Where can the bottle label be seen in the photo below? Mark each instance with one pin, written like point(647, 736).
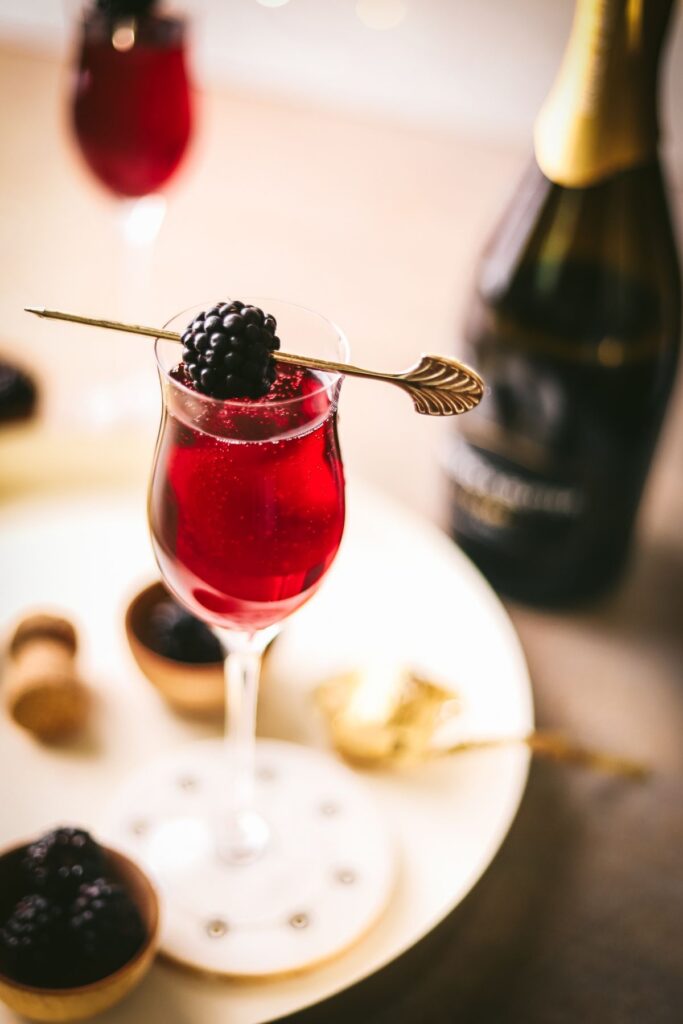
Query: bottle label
point(497, 495)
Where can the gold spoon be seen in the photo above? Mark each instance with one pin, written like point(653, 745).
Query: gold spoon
point(438, 385)
point(381, 717)
point(555, 746)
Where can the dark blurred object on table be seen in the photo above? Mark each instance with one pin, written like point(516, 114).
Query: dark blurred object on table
point(18, 393)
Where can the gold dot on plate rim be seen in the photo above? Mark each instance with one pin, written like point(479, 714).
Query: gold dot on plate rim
point(216, 928)
point(346, 876)
point(187, 782)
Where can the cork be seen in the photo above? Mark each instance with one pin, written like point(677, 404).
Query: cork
point(43, 691)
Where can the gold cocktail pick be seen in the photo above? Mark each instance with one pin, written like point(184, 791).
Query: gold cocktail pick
point(438, 385)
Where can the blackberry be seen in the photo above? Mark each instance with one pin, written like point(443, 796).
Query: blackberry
point(228, 351)
point(174, 633)
point(57, 863)
point(17, 393)
point(105, 928)
point(33, 946)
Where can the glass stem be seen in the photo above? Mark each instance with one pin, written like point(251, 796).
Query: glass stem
point(140, 221)
point(242, 671)
point(245, 834)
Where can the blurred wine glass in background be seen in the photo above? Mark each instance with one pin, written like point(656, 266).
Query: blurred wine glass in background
point(131, 114)
point(131, 109)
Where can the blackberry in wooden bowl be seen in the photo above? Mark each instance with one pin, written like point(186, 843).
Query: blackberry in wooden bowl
point(179, 654)
point(78, 926)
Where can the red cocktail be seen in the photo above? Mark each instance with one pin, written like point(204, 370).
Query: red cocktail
point(132, 107)
point(247, 502)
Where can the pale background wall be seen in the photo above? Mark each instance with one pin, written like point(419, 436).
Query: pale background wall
point(475, 67)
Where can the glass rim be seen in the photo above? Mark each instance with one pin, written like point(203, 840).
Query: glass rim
point(236, 403)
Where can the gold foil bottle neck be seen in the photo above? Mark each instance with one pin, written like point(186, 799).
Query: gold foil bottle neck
point(600, 115)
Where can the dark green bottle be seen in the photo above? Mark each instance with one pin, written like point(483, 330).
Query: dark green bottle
point(575, 326)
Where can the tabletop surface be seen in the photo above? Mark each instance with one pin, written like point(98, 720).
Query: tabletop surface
point(579, 916)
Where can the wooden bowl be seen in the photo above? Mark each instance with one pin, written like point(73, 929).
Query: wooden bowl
point(65, 1004)
point(193, 688)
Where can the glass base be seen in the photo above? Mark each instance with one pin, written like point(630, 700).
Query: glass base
point(244, 838)
point(323, 877)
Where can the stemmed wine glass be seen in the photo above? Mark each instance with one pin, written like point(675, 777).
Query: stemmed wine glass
point(132, 111)
point(270, 856)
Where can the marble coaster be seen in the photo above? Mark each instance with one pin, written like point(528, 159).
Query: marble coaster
point(323, 881)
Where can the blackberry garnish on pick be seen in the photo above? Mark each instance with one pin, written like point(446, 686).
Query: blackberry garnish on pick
point(105, 928)
point(17, 393)
point(228, 351)
point(33, 947)
point(175, 633)
point(60, 861)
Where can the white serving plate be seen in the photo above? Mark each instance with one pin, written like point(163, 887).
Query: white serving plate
point(400, 591)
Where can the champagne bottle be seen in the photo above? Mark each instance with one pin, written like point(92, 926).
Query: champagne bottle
point(575, 326)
